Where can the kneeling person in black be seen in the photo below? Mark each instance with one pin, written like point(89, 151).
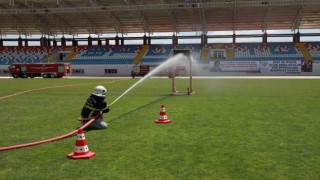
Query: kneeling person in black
point(95, 106)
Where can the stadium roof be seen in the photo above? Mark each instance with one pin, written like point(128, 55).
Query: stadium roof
point(51, 17)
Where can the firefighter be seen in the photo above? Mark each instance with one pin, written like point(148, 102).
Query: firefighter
point(95, 106)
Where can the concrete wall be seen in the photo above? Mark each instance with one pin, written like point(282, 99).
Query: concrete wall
point(92, 70)
point(99, 70)
point(198, 70)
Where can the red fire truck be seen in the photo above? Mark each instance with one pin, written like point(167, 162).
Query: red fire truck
point(140, 70)
point(45, 70)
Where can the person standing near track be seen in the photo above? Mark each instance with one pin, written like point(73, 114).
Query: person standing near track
point(95, 106)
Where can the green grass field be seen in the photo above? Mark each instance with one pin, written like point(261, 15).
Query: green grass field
point(229, 129)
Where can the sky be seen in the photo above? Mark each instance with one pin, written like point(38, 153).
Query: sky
point(186, 41)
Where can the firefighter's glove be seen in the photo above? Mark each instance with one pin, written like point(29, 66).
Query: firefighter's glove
point(106, 110)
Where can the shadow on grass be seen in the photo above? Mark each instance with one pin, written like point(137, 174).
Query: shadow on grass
point(163, 97)
point(87, 130)
point(152, 102)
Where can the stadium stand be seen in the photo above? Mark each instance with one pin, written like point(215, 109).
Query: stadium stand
point(96, 51)
point(107, 55)
point(92, 55)
point(75, 50)
point(126, 54)
point(265, 51)
point(26, 54)
point(314, 49)
point(159, 53)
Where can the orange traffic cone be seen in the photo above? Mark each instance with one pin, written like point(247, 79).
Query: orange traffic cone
point(163, 116)
point(81, 150)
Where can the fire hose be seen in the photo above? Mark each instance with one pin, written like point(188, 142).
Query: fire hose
point(48, 140)
point(56, 138)
point(59, 137)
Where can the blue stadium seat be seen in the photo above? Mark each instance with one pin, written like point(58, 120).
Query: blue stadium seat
point(157, 53)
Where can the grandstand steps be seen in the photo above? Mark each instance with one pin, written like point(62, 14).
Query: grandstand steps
point(49, 57)
point(46, 58)
point(141, 54)
point(204, 54)
point(71, 56)
point(230, 54)
point(307, 56)
point(217, 46)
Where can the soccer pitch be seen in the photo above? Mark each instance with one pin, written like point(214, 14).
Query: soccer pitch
point(229, 129)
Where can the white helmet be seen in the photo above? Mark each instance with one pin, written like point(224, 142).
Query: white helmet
point(99, 91)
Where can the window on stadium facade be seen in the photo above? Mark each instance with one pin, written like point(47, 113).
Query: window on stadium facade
point(110, 71)
point(77, 71)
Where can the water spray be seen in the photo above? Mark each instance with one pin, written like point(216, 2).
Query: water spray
point(167, 63)
point(164, 64)
point(134, 85)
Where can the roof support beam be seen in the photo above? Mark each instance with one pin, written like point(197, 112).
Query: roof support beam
point(297, 21)
point(142, 17)
point(62, 25)
point(145, 23)
point(43, 24)
point(174, 23)
point(92, 27)
point(193, 21)
point(47, 23)
point(11, 2)
point(103, 16)
point(126, 2)
point(27, 4)
point(163, 6)
point(234, 25)
point(204, 21)
point(118, 26)
point(264, 27)
point(22, 28)
point(2, 33)
point(59, 3)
